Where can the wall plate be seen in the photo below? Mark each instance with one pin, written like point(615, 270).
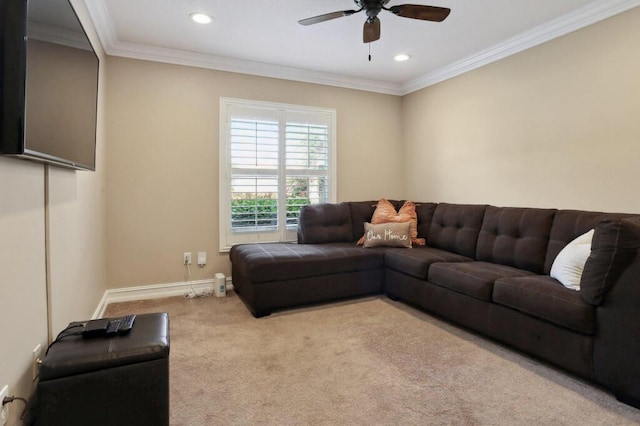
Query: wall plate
point(35, 364)
point(4, 410)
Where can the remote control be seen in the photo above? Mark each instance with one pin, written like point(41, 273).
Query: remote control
point(95, 328)
point(114, 325)
point(126, 323)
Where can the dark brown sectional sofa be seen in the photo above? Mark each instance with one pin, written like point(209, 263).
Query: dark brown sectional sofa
point(484, 267)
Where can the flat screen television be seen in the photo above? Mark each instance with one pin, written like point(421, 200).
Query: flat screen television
point(48, 84)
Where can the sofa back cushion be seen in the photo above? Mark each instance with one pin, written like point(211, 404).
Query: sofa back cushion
point(361, 212)
point(325, 223)
point(455, 227)
point(568, 225)
point(515, 237)
point(425, 212)
point(616, 243)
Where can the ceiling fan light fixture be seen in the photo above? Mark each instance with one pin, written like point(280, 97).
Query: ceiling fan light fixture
point(401, 57)
point(200, 18)
point(372, 8)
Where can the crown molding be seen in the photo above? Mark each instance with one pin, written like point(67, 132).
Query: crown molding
point(57, 35)
point(102, 22)
point(112, 46)
point(220, 63)
point(587, 15)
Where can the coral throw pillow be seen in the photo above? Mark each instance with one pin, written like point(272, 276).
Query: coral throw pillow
point(386, 213)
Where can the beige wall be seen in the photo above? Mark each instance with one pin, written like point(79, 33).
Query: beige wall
point(23, 301)
point(163, 159)
point(76, 240)
point(555, 126)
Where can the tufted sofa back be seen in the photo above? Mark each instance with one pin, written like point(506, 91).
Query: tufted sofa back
point(425, 213)
point(526, 238)
point(455, 228)
point(325, 223)
point(568, 225)
point(516, 237)
point(451, 227)
point(361, 212)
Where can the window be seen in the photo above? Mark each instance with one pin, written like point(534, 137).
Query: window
point(274, 159)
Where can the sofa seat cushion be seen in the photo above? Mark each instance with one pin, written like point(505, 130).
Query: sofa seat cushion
point(474, 279)
point(544, 297)
point(416, 262)
point(285, 261)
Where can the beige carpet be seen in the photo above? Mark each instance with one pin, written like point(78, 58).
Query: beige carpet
point(365, 362)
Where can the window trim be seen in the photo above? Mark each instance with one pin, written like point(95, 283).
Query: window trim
point(224, 193)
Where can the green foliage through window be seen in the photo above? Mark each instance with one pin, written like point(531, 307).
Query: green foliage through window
point(277, 159)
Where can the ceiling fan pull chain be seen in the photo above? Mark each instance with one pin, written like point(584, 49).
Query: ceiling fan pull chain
point(369, 52)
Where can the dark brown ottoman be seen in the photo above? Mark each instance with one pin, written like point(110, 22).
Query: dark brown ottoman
point(120, 380)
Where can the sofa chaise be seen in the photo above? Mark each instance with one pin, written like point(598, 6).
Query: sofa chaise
point(486, 268)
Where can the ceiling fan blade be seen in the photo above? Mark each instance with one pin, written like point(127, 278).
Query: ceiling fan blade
point(327, 17)
point(371, 30)
point(417, 11)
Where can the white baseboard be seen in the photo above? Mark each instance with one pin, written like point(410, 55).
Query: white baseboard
point(155, 291)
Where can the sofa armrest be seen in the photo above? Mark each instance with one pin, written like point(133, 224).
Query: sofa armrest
point(617, 340)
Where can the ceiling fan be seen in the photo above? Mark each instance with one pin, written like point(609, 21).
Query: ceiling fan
point(371, 30)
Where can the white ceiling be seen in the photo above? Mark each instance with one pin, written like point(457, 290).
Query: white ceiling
point(264, 38)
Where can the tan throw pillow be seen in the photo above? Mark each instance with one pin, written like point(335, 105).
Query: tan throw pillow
point(386, 213)
point(387, 235)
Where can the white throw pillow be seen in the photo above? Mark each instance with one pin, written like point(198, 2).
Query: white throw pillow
point(568, 265)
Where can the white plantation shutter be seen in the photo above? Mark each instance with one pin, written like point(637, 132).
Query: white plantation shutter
point(274, 159)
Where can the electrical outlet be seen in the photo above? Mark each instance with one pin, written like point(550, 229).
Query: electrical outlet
point(4, 410)
point(37, 359)
point(202, 258)
point(186, 258)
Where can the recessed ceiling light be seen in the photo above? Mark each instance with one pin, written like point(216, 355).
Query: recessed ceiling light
point(200, 18)
point(402, 57)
